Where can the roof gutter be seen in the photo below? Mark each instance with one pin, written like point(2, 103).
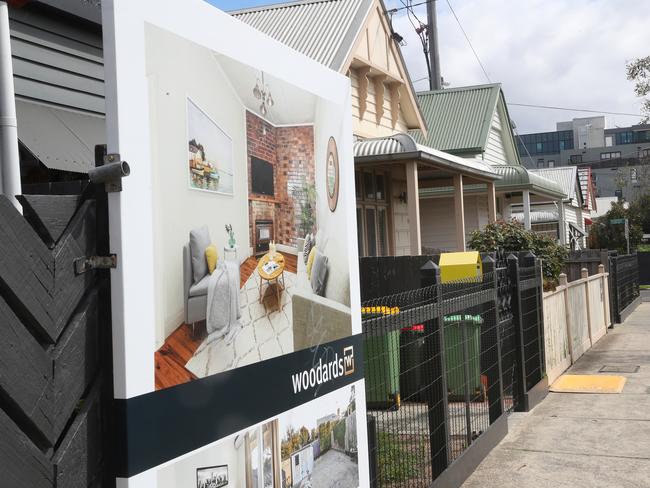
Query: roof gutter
point(424, 156)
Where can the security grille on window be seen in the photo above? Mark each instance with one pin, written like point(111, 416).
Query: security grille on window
point(610, 155)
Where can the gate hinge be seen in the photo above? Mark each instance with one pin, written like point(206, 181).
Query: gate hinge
point(81, 265)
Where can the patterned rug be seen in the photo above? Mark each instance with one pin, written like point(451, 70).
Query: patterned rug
point(264, 331)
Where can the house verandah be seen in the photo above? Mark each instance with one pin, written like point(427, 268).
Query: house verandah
point(413, 199)
point(391, 173)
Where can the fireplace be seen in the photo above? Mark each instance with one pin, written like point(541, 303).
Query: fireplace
point(263, 235)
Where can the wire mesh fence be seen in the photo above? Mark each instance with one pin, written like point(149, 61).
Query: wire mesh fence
point(443, 363)
point(624, 282)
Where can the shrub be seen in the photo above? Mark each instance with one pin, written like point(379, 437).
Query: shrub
point(510, 236)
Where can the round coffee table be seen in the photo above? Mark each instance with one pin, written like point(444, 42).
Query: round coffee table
point(277, 275)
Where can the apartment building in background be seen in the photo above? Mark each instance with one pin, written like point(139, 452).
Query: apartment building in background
point(619, 157)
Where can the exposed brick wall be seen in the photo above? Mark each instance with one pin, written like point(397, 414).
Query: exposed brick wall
point(295, 151)
point(291, 152)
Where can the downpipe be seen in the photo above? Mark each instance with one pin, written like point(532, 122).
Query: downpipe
point(9, 157)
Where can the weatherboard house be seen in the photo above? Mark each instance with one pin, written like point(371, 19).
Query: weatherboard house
point(430, 167)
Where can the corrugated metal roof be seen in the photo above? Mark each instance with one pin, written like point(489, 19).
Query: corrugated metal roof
point(388, 147)
point(518, 178)
point(458, 119)
point(564, 176)
point(324, 30)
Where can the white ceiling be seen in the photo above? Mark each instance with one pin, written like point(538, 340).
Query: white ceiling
point(291, 104)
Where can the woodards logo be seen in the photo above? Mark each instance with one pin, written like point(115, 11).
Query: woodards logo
point(324, 372)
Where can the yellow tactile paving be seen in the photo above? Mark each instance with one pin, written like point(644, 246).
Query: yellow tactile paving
point(588, 383)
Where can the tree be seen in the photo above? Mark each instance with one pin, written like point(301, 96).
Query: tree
point(638, 70)
point(510, 236)
point(605, 235)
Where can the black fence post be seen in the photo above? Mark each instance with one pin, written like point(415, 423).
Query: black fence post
point(436, 376)
point(372, 450)
point(513, 271)
point(529, 260)
point(494, 371)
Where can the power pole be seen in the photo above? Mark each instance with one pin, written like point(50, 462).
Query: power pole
point(435, 80)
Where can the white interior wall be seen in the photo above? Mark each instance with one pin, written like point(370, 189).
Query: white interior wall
point(333, 226)
point(182, 473)
point(178, 69)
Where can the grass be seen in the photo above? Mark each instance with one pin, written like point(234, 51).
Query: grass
point(399, 460)
point(644, 287)
point(643, 248)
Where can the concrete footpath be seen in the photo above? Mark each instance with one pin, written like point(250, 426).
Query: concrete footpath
point(583, 440)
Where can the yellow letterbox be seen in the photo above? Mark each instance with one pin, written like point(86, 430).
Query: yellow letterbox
point(466, 266)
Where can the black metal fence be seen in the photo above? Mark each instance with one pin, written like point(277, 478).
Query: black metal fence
point(624, 283)
point(445, 361)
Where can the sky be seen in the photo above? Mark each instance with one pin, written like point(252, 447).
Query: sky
point(563, 53)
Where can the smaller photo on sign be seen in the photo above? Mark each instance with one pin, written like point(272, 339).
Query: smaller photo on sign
point(314, 445)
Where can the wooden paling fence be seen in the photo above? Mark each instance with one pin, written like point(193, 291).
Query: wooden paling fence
point(55, 358)
point(576, 316)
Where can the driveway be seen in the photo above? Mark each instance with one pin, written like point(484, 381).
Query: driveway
point(335, 469)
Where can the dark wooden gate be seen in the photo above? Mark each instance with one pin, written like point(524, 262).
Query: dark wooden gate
point(55, 356)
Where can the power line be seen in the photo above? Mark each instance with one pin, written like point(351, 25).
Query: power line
point(549, 107)
point(469, 42)
point(409, 6)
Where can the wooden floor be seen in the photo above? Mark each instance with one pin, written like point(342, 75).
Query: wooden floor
point(180, 346)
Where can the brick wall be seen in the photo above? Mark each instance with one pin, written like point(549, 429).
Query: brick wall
point(295, 152)
point(291, 152)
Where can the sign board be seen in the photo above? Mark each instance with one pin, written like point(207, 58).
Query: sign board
point(235, 305)
point(617, 221)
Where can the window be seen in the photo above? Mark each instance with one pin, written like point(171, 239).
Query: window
point(551, 163)
point(626, 137)
point(646, 153)
point(634, 175)
point(610, 155)
point(575, 158)
point(373, 204)
point(540, 163)
point(609, 141)
point(539, 147)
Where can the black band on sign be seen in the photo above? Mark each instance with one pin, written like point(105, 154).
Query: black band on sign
point(160, 426)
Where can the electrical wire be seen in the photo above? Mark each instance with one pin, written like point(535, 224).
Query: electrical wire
point(469, 42)
point(549, 107)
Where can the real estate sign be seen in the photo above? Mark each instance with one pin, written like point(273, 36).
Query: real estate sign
point(235, 304)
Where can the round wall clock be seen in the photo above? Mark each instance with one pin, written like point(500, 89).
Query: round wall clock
point(332, 174)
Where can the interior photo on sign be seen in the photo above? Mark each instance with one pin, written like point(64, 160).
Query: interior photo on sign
point(250, 249)
point(314, 445)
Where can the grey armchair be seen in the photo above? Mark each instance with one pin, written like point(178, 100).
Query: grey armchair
point(195, 294)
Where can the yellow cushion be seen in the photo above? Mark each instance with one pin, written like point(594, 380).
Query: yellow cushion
point(310, 261)
point(211, 256)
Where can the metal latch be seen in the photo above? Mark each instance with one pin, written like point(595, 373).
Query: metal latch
point(89, 263)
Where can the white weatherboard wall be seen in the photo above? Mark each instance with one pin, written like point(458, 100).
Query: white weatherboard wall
point(495, 152)
point(576, 316)
point(178, 69)
point(438, 224)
